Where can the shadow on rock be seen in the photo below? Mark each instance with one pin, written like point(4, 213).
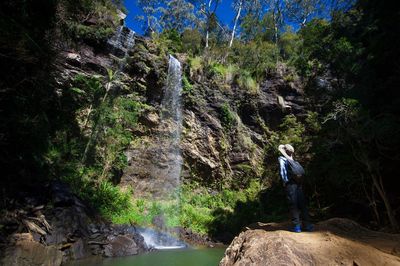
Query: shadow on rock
point(270, 205)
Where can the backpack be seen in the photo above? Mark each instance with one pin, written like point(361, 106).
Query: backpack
point(295, 170)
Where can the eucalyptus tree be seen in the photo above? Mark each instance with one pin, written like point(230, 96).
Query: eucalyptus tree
point(237, 6)
point(276, 7)
point(252, 23)
point(178, 15)
point(152, 11)
point(301, 11)
point(251, 9)
point(209, 8)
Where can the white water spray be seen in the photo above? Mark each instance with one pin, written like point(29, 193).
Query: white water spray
point(158, 240)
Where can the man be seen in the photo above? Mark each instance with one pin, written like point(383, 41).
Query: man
point(294, 190)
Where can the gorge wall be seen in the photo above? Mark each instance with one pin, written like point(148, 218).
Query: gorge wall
point(224, 126)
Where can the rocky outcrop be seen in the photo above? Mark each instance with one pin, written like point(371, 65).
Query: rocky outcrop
point(123, 245)
point(334, 242)
point(65, 231)
point(25, 251)
point(215, 151)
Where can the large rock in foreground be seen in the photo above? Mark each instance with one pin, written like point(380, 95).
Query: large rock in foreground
point(24, 251)
point(335, 242)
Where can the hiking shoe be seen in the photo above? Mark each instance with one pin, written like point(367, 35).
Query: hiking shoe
point(297, 229)
point(309, 228)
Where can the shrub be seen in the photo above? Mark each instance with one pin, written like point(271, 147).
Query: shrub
point(222, 73)
point(74, 16)
point(255, 57)
point(227, 116)
point(186, 85)
point(191, 41)
point(246, 81)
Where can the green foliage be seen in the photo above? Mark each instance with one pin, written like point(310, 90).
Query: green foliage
point(255, 57)
point(227, 116)
point(87, 89)
point(177, 15)
point(312, 122)
point(247, 82)
point(195, 207)
point(289, 43)
point(221, 73)
point(91, 157)
point(259, 29)
point(75, 17)
point(186, 85)
point(85, 32)
point(292, 131)
point(200, 206)
point(191, 41)
point(169, 41)
point(195, 63)
point(216, 70)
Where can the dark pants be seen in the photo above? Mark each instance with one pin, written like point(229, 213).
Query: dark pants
point(297, 204)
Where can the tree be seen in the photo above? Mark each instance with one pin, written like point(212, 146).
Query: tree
point(301, 11)
point(238, 6)
point(209, 8)
point(366, 137)
point(152, 10)
point(178, 15)
point(277, 17)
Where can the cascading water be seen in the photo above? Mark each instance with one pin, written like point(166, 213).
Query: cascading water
point(159, 240)
point(167, 158)
point(171, 117)
point(122, 41)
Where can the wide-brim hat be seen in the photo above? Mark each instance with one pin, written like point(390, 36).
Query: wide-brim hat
point(286, 147)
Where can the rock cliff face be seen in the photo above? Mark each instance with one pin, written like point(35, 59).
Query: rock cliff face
point(215, 151)
point(334, 242)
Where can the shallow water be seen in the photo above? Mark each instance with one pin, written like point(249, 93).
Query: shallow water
point(177, 257)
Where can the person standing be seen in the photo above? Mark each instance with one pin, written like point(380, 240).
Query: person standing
point(294, 190)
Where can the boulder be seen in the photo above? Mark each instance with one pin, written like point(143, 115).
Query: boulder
point(332, 243)
point(23, 250)
point(122, 245)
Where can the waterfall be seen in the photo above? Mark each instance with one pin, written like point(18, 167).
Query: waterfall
point(165, 152)
point(159, 240)
point(165, 169)
point(171, 117)
point(122, 41)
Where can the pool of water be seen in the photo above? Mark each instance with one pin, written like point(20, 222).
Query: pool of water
point(176, 257)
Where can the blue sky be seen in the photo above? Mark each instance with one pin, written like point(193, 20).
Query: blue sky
point(224, 12)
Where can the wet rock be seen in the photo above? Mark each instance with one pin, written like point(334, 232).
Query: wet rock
point(79, 250)
point(122, 245)
point(159, 221)
point(122, 41)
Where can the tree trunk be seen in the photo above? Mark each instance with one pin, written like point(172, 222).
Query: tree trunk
point(235, 24)
point(381, 190)
point(378, 183)
point(208, 22)
point(371, 199)
point(87, 117)
point(207, 39)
